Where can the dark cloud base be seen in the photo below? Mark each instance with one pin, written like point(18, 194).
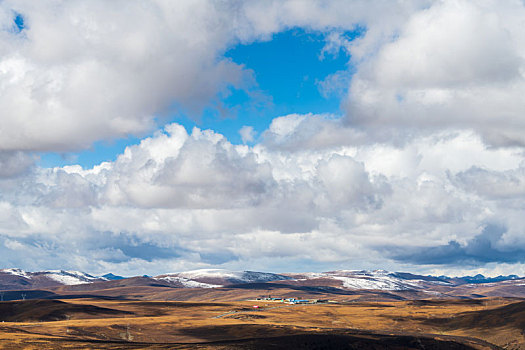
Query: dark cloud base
point(483, 248)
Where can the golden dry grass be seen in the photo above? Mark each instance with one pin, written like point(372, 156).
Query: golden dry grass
point(152, 325)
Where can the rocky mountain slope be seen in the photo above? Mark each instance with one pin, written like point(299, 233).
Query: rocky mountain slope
point(341, 280)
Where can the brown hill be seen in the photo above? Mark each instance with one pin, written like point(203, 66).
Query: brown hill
point(103, 285)
point(512, 315)
point(52, 310)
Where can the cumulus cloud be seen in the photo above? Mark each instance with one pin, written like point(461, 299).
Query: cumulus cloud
point(201, 170)
point(182, 200)
point(78, 72)
point(335, 84)
point(408, 175)
point(178, 192)
point(296, 132)
point(84, 71)
point(14, 163)
point(492, 184)
point(454, 65)
point(247, 134)
point(483, 248)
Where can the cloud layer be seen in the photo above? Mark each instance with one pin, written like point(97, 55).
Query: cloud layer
point(88, 70)
point(81, 71)
point(457, 64)
point(182, 200)
point(424, 170)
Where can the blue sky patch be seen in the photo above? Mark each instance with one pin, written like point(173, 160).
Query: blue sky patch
point(288, 70)
point(19, 24)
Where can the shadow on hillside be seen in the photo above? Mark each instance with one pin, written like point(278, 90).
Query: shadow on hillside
point(259, 337)
point(51, 310)
point(512, 315)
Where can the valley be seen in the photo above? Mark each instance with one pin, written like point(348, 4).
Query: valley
point(218, 309)
point(490, 323)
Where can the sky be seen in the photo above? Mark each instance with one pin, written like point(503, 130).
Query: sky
point(152, 136)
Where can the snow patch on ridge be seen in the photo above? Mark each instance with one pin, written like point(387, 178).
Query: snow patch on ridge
point(210, 273)
point(16, 272)
point(69, 277)
point(360, 279)
point(239, 276)
point(187, 282)
point(384, 283)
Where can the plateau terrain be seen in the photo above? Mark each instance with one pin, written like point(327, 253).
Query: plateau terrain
point(220, 309)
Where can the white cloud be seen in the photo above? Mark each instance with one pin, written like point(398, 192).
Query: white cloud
point(84, 71)
point(14, 163)
point(462, 44)
point(247, 134)
point(455, 65)
point(335, 84)
point(493, 184)
point(191, 200)
point(310, 132)
point(410, 164)
point(89, 70)
point(201, 170)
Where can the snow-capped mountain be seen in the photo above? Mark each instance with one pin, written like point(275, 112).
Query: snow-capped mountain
point(214, 278)
point(112, 277)
point(359, 279)
point(68, 277)
point(20, 279)
point(346, 279)
point(350, 280)
point(16, 272)
point(480, 279)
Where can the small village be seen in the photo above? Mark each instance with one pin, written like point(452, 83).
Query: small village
point(293, 300)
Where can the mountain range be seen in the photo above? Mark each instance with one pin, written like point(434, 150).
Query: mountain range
point(331, 281)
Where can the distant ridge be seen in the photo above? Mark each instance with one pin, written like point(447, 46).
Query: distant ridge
point(112, 277)
point(344, 280)
point(19, 279)
point(482, 279)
